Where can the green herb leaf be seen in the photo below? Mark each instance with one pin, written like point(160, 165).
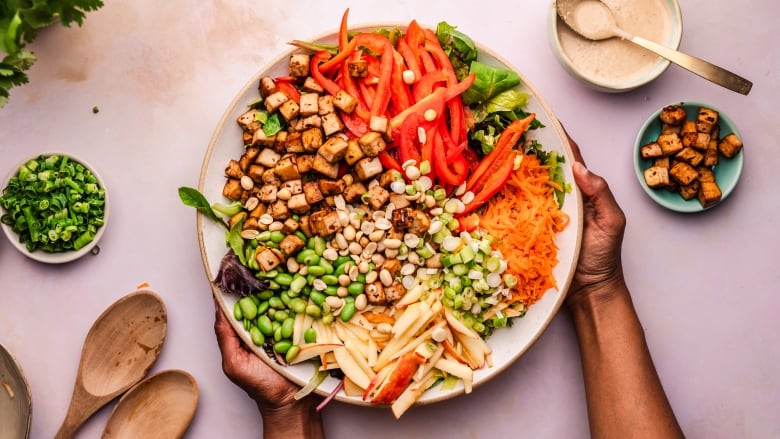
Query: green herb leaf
point(193, 198)
point(489, 82)
point(236, 242)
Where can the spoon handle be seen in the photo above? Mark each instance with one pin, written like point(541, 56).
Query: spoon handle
point(706, 70)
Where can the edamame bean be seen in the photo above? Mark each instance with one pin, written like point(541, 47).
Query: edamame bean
point(312, 259)
point(254, 299)
point(265, 325)
point(332, 290)
point(256, 335)
point(313, 310)
point(355, 288)
point(297, 284)
point(248, 307)
point(303, 254)
point(292, 353)
point(265, 295)
point(283, 279)
point(263, 307)
point(319, 245)
point(298, 305)
point(327, 318)
point(281, 315)
point(276, 302)
point(301, 235)
point(316, 270)
point(285, 298)
point(237, 313)
point(264, 236)
point(310, 335)
point(347, 311)
point(287, 327)
point(247, 324)
point(326, 265)
point(330, 279)
point(278, 334)
point(317, 297)
point(282, 346)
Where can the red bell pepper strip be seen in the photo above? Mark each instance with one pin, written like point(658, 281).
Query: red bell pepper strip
point(329, 85)
point(415, 36)
point(354, 123)
point(400, 94)
point(468, 223)
point(379, 44)
point(389, 162)
point(286, 87)
point(502, 150)
point(434, 101)
point(331, 64)
point(493, 184)
point(459, 88)
point(407, 147)
point(444, 172)
point(409, 57)
point(425, 84)
point(343, 32)
point(350, 86)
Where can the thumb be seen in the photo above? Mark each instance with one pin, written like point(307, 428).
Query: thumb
point(597, 193)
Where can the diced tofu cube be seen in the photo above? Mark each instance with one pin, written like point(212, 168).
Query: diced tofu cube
point(248, 157)
point(248, 121)
point(670, 143)
point(656, 177)
point(233, 170)
point(375, 293)
point(267, 86)
point(297, 204)
point(326, 105)
point(688, 126)
point(311, 139)
point(311, 85)
point(281, 141)
point(268, 158)
point(683, 173)
point(344, 101)
point(274, 101)
point(232, 189)
point(333, 149)
point(331, 187)
point(299, 65)
point(259, 211)
point(290, 226)
point(286, 168)
point(267, 260)
point(261, 139)
point(378, 124)
point(246, 138)
point(269, 177)
point(706, 119)
point(331, 123)
point(289, 110)
point(662, 162)
point(378, 196)
point(392, 265)
point(294, 143)
point(293, 186)
point(291, 244)
point(312, 192)
point(325, 167)
point(309, 104)
point(279, 210)
point(267, 193)
point(690, 156)
point(690, 191)
point(399, 201)
point(700, 141)
point(411, 220)
point(354, 191)
point(255, 172)
point(673, 115)
point(354, 152)
point(671, 129)
point(324, 223)
point(706, 174)
point(394, 291)
point(651, 150)
point(305, 226)
point(313, 121)
point(305, 163)
point(711, 157)
point(372, 143)
point(730, 145)
point(709, 193)
point(367, 168)
point(357, 68)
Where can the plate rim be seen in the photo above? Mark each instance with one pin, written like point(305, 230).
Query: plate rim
point(575, 195)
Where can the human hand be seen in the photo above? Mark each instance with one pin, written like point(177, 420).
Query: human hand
point(273, 393)
point(599, 263)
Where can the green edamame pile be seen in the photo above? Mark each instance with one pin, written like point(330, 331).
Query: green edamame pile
point(54, 204)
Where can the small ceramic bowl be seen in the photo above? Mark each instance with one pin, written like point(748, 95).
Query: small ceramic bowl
point(727, 172)
point(63, 256)
point(616, 65)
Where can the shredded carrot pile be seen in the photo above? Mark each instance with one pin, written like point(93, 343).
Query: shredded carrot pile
point(524, 218)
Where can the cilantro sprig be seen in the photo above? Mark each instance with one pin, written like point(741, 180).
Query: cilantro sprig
point(20, 21)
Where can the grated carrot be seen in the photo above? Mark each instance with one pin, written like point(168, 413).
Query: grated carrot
point(524, 218)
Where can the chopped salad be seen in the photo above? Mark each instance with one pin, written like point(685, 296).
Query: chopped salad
point(387, 213)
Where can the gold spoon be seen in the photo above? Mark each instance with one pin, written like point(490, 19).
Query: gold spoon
point(161, 406)
point(118, 351)
point(594, 20)
point(15, 399)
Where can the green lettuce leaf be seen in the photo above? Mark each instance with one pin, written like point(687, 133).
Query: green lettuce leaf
point(489, 82)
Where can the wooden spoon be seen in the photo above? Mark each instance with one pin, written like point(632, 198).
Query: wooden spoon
point(119, 350)
point(15, 399)
point(159, 407)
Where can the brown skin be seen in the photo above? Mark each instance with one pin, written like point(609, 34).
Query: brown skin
point(624, 394)
point(282, 415)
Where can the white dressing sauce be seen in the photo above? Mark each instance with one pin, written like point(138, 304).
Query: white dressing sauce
point(616, 60)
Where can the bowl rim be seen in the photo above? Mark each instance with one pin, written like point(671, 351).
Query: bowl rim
point(21, 379)
point(679, 204)
point(615, 87)
point(60, 257)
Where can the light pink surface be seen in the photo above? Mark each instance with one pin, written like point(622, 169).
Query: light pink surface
point(161, 74)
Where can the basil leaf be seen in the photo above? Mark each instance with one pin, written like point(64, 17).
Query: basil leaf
point(193, 198)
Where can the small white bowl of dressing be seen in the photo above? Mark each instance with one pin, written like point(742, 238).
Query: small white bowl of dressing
point(616, 65)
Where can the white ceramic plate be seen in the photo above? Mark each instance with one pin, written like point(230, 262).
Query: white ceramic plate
point(508, 344)
point(15, 399)
point(65, 256)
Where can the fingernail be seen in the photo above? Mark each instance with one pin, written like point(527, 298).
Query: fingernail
point(579, 168)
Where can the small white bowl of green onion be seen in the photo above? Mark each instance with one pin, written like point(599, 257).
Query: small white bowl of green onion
point(54, 208)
